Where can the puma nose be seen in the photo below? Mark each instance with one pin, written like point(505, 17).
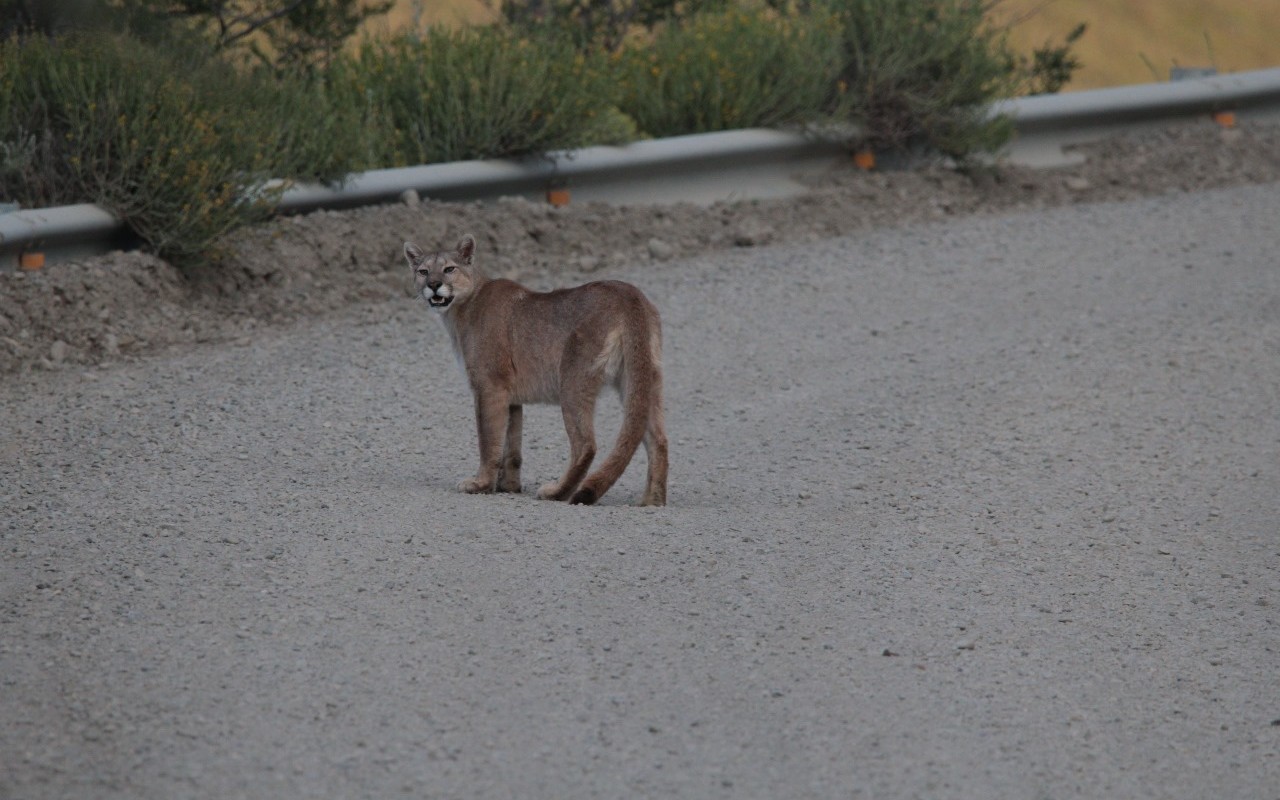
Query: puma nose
point(433, 285)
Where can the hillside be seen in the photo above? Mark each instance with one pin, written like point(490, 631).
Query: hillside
point(1232, 35)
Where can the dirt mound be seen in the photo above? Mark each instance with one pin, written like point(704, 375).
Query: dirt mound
point(128, 304)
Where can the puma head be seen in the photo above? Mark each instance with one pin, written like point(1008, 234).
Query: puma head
point(443, 278)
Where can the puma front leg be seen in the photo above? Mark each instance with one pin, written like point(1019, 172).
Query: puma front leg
point(509, 472)
point(492, 412)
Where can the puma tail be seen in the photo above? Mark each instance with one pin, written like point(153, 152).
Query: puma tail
point(640, 382)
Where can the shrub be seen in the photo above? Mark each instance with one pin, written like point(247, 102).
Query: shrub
point(474, 93)
point(1051, 66)
point(50, 16)
point(717, 71)
point(180, 147)
point(923, 71)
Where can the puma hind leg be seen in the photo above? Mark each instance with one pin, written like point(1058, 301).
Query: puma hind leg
point(655, 448)
point(579, 423)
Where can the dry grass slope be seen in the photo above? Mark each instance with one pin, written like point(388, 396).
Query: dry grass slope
point(1232, 35)
point(408, 14)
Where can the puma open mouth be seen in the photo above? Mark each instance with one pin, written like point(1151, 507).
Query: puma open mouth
point(439, 302)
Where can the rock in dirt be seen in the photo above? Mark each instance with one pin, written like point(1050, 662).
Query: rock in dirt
point(752, 234)
point(660, 250)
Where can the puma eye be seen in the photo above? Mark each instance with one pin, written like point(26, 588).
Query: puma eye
point(423, 271)
point(447, 270)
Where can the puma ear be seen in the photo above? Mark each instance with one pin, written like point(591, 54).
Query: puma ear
point(467, 248)
point(413, 253)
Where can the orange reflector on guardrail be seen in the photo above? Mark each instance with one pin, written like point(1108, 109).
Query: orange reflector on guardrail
point(31, 261)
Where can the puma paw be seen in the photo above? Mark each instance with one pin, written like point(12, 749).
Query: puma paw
point(473, 486)
point(549, 491)
point(584, 497)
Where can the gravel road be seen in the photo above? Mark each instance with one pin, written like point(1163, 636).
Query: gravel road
point(986, 508)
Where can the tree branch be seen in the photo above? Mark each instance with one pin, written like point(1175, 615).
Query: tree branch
point(250, 24)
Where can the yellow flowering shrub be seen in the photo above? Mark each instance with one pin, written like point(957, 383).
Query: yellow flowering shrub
point(181, 151)
point(470, 93)
point(736, 69)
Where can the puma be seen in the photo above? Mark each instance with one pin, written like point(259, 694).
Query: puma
point(520, 346)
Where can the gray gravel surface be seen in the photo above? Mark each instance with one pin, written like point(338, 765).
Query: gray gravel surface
point(984, 508)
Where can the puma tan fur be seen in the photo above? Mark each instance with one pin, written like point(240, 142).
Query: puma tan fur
point(519, 346)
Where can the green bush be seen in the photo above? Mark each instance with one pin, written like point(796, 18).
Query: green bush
point(180, 147)
point(923, 71)
point(483, 92)
point(718, 71)
point(1051, 66)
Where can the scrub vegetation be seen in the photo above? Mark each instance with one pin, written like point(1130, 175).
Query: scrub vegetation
point(186, 117)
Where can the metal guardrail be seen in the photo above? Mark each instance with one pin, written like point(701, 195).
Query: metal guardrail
point(28, 236)
point(700, 168)
point(617, 174)
point(1048, 123)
